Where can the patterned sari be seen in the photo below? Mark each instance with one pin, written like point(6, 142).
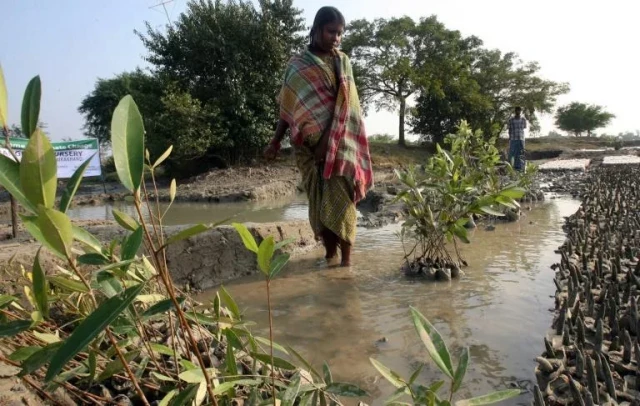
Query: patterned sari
point(314, 99)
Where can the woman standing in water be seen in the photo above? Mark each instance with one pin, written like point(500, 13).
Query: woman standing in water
point(319, 103)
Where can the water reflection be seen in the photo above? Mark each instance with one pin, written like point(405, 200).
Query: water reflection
point(292, 208)
point(499, 308)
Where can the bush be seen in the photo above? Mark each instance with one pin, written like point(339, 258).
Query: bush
point(443, 195)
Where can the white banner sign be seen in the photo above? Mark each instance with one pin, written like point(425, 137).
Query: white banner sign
point(69, 155)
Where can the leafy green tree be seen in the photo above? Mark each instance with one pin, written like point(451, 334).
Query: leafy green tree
point(230, 57)
point(98, 106)
point(484, 93)
point(393, 58)
point(578, 118)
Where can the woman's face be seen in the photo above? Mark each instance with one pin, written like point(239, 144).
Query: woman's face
point(330, 37)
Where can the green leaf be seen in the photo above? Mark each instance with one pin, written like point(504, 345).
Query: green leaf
point(38, 171)
point(328, 377)
point(39, 358)
point(93, 258)
point(278, 263)
point(415, 374)
point(277, 362)
point(225, 386)
point(513, 193)
point(40, 287)
point(489, 399)
point(284, 243)
point(108, 284)
point(186, 233)
point(31, 107)
point(14, 327)
point(304, 362)
point(6, 299)
point(72, 185)
point(345, 389)
point(388, 374)
point(233, 339)
point(10, 180)
point(164, 156)
point(229, 303)
point(127, 222)
point(4, 102)
point(68, 284)
point(461, 233)
point(265, 253)
point(463, 363)
point(161, 307)
point(186, 396)
point(89, 329)
point(230, 359)
point(56, 229)
point(161, 377)
point(46, 338)
point(85, 237)
point(33, 227)
point(131, 245)
point(116, 366)
point(435, 387)
point(268, 342)
point(115, 265)
point(247, 238)
point(291, 393)
point(433, 341)
point(167, 398)
point(192, 376)
point(23, 353)
point(488, 210)
point(127, 142)
point(161, 349)
point(201, 318)
point(93, 365)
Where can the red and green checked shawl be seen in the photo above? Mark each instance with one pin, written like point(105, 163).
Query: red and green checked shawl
point(306, 100)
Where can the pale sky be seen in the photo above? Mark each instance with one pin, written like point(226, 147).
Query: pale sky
point(70, 43)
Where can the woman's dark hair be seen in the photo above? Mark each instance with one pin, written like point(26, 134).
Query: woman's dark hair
point(326, 15)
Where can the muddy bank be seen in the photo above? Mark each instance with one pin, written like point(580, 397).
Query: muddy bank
point(218, 256)
point(593, 353)
point(200, 262)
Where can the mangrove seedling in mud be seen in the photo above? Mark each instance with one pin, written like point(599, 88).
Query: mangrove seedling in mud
point(441, 357)
point(443, 195)
point(106, 324)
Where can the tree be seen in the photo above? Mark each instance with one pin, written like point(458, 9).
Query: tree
point(484, 95)
point(578, 118)
point(98, 106)
point(393, 58)
point(229, 58)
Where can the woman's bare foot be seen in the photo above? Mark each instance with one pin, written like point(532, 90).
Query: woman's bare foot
point(330, 241)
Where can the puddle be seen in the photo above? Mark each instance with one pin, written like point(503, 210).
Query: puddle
point(500, 308)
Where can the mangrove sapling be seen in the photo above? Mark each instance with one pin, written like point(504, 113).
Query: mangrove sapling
point(442, 197)
point(110, 316)
point(271, 266)
point(441, 357)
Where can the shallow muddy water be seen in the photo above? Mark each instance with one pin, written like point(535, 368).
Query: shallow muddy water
point(292, 208)
point(499, 308)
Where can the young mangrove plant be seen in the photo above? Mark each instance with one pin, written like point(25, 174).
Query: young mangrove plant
point(106, 323)
point(441, 357)
point(442, 197)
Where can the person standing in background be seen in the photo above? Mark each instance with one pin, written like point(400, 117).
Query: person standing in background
point(517, 125)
